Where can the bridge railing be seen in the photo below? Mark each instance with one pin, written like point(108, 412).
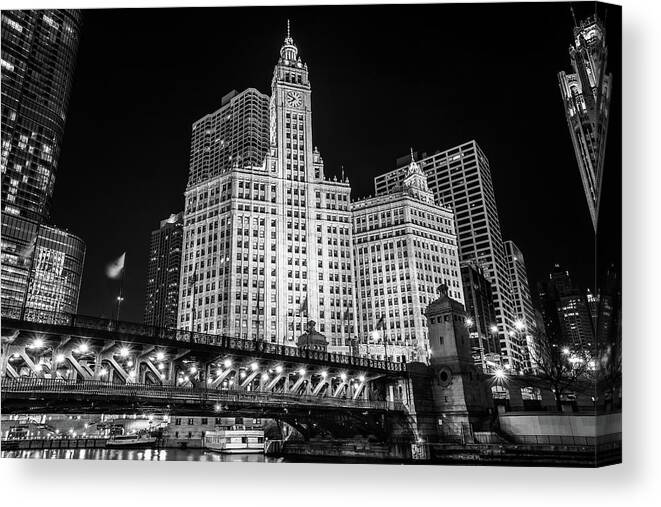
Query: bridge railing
point(100, 388)
point(182, 335)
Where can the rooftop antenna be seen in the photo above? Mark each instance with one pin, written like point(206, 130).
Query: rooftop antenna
point(288, 30)
point(412, 158)
point(342, 171)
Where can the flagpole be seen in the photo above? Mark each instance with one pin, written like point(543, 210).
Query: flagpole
point(121, 291)
point(192, 322)
point(383, 337)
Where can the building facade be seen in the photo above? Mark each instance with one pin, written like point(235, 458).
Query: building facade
point(586, 95)
point(481, 317)
point(525, 322)
point(267, 243)
point(460, 178)
point(572, 324)
point(163, 273)
point(405, 247)
point(234, 135)
point(39, 49)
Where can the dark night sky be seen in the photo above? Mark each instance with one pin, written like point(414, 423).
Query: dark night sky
point(383, 78)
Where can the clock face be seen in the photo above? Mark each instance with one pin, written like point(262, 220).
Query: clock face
point(294, 99)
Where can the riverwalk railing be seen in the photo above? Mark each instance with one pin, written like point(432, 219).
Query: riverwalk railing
point(164, 334)
point(173, 394)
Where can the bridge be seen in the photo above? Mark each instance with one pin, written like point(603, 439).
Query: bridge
point(58, 362)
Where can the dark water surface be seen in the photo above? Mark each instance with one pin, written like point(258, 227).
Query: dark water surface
point(139, 455)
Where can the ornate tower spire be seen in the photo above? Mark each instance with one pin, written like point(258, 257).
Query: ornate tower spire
point(415, 182)
point(289, 51)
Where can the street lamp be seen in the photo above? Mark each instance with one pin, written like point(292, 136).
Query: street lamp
point(519, 325)
point(468, 322)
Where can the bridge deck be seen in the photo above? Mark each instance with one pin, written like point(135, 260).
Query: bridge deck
point(35, 389)
point(64, 324)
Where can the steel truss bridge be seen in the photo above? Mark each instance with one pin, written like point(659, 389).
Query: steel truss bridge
point(57, 362)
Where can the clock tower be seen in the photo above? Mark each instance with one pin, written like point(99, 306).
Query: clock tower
point(291, 115)
point(314, 265)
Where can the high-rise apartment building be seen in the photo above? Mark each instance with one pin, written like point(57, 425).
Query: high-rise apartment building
point(481, 317)
point(267, 242)
point(586, 95)
point(39, 50)
point(525, 322)
point(461, 179)
point(405, 247)
point(163, 272)
point(236, 135)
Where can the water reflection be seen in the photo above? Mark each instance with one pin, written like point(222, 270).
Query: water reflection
point(138, 455)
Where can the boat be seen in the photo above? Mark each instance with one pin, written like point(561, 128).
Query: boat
point(123, 441)
point(235, 440)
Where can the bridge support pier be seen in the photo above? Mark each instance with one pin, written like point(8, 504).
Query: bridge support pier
point(448, 400)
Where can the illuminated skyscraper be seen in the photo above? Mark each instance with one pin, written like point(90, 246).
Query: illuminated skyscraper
point(572, 324)
point(39, 50)
point(525, 322)
point(237, 134)
point(460, 178)
point(481, 317)
point(405, 247)
point(163, 273)
point(586, 94)
point(267, 237)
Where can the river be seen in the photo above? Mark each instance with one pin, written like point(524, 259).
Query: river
point(139, 455)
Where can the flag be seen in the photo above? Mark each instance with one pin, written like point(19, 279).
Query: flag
point(381, 323)
point(304, 305)
point(116, 268)
point(193, 278)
